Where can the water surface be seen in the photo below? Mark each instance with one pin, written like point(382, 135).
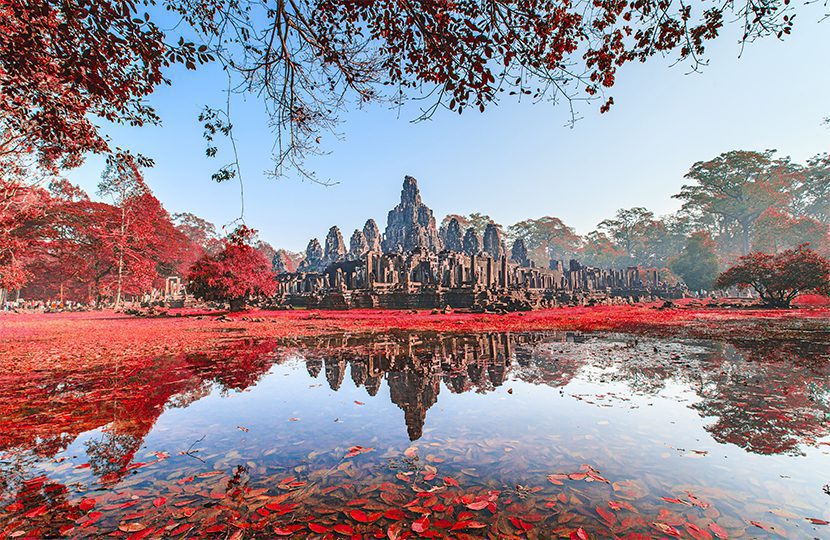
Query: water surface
point(491, 435)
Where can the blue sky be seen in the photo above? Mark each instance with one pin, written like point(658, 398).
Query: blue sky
point(515, 161)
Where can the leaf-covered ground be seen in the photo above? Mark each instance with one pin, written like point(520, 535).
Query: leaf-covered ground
point(41, 341)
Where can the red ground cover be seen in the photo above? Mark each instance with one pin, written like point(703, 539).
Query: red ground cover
point(71, 340)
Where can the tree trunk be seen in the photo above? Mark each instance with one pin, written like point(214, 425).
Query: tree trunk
point(121, 255)
point(237, 304)
point(744, 239)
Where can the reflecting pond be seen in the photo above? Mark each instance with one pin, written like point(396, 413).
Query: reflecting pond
point(539, 435)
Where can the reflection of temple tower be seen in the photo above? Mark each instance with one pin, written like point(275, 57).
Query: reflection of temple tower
point(372, 385)
point(499, 345)
point(335, 371)
point(314, 366)
point(456, 382)
point(413, 393)
point(360, 372)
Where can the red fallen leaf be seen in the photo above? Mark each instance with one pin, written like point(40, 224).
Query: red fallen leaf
point(142, 534)
point(521, 525)
point(450, 481)
point(469, 524)
point(358, 502)
point(359, 403)
point(209, 474)
point(697, 533)
point(355, 450)
point(420, 525)
point(411, 452)
point(131, 527)
point(181, 529)
point(358, 515)
point(93, 517)
point(442, 523)
point(666, 529)
point(556, 479)
point(66, 529)
point(577, 476)
point(464, 516)
point(817, 521)
point(394, 531)
point(281, 509)
point(87, 505)
point(478, 505)
point(346, 530)
point(766, 527)
point(14, 507)
point(606, 515)
point(83, 466)
point(719, 531)
point(189, 511)
point(316, 527)
point(215, 528)
point(394, 514)
point(289, 530)
point(614, 505)
point(580, 534)
point(159, 502)
point(34, 512)
point(429, 476)
point(697, 502)
point(374, 516)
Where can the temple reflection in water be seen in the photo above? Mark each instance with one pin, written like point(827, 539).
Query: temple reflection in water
point(415, 365)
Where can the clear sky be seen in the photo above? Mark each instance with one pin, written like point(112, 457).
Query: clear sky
point(516, 160)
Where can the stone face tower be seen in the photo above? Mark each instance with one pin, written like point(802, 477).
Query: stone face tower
point(411, 225)
point(519, 253)
point(313, 261)
point(372, 234)
point(454, 240)
point(335, 246)
point(492, 241)
point(357, 245)
point(472, 245)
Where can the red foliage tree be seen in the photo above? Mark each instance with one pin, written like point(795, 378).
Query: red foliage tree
point(235, 274)
point(65, 62)
point(779, 278)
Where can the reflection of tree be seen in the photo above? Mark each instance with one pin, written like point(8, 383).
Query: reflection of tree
point(110, 455)
point(769, 397)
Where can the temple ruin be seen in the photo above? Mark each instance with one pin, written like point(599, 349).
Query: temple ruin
point(411, 267)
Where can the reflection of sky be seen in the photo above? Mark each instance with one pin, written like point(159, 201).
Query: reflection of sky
point(514, 162)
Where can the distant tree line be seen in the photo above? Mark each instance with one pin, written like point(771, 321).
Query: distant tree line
point(734, 204)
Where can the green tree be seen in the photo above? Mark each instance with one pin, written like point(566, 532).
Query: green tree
point(812, 198)
point(736, 187)
point(546, 238)
point(631, 230)
point(697, 263)
point(599, 250)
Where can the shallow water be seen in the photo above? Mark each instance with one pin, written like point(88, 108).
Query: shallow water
point(542, 435)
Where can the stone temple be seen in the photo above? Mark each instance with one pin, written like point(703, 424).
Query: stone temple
point(410, 267)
